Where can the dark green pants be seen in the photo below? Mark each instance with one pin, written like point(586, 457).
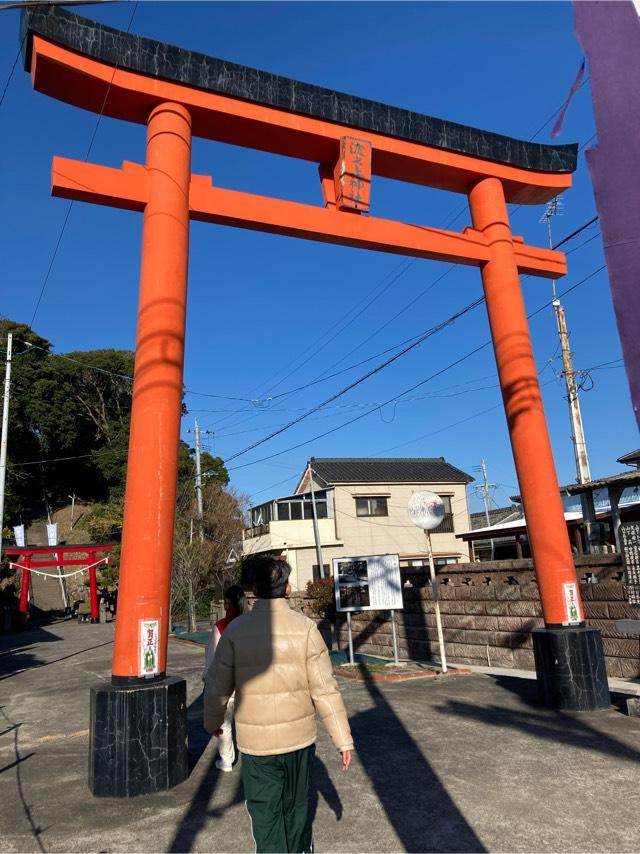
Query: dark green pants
point(276, 789)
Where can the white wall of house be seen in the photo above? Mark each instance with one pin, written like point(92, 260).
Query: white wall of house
point(347, 534)
point(395, 533)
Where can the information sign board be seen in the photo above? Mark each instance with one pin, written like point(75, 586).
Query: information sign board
point(630, 536)
point(369, 583)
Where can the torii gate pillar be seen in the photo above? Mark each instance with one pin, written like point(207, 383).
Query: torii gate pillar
point(140, 687)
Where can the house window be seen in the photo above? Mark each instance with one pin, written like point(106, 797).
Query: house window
point(446, 500)
point(326, 571)
point(444, 561)
point(446, 526)
point(423, 563)
point(261, 515)
point(301, 507)
point(371, 507)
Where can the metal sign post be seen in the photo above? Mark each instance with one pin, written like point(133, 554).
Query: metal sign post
point(395, 638)
point(350, 637)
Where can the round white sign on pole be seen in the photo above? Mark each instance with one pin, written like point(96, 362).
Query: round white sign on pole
point(426, 510)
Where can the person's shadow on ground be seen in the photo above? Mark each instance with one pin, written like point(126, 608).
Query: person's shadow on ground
point(322, 784)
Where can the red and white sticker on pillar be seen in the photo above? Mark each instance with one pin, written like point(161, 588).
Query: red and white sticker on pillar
point(149, 646)
point(571, 604)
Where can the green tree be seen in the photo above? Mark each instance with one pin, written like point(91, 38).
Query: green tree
point(69, 424)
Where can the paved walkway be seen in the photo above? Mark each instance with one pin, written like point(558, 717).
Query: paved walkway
point(463, 764)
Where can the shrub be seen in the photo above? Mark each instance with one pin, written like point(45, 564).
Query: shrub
point(323, 602)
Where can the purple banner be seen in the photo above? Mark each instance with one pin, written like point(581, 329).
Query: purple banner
point(610, 36)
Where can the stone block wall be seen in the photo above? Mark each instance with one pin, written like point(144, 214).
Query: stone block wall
point(488, 612)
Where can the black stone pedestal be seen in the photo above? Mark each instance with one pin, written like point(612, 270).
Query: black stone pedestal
point(138, 738)
point(570, 669)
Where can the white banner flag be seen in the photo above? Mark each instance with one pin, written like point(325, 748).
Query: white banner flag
point(52, 534)
point(18, 533)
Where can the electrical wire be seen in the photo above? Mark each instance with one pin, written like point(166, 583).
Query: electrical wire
point(13, 68)
point(428, 333)
point(412, 388)
point(433, 331)
point(71, 203)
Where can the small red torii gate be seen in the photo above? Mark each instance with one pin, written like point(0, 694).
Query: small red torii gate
point(27, 564)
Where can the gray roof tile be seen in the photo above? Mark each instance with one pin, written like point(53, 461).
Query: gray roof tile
point(390, 470)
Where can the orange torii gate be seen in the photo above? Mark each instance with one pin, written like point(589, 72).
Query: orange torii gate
point(178, 94)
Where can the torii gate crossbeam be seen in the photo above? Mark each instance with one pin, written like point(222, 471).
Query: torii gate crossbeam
point(178, 94)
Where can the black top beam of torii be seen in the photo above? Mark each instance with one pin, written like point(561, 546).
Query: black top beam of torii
point(178, 65)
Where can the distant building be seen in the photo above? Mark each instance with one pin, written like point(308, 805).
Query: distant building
point(362, 510)
point(631, 459)
point(497, 547)
point(615, 499)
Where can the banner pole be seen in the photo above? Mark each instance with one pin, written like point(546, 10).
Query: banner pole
point(436, 602)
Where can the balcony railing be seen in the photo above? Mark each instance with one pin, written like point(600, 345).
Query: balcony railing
point(256, 531)
point(446, 526)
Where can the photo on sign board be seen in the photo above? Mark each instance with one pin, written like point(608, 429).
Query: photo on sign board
point(354, 595)
point(352, 572)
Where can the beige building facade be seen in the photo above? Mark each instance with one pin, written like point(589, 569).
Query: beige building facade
point(361, 505)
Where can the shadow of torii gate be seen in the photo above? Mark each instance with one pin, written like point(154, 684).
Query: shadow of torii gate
point(178, 94)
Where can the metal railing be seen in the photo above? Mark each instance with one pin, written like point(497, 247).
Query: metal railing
point(446, 526)
point(256, 531)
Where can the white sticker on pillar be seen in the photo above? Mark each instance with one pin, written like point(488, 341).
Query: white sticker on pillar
point(572, 607)
point(149, 646)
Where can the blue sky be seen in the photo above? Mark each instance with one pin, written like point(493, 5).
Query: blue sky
point(264, 310)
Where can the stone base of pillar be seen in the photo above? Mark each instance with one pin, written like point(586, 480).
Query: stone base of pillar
point(571, 669)
point(138, 738)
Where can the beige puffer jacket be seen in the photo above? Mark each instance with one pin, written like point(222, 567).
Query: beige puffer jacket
point(277, 663)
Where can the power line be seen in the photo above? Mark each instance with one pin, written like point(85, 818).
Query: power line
point(322, 378)
point(67, 459)
point(412, 388)
point(575, 233)
point(415, 343)
point(13, 68)
point(86, 157)
point(128, 377)
point(389, 361)
point(433, 331)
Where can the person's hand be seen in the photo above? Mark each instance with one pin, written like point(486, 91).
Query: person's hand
point(346, 756)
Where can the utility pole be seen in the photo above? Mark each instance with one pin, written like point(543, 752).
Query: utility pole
point(583, 474)
point(335, 634)
point(485, 493)
point(199, 483)
point(316, 529)
point(5, 432)
point(577, 429)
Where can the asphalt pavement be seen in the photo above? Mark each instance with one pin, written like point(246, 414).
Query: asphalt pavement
point(470, 763)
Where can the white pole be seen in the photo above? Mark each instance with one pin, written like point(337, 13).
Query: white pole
point(436, 601)
point(395, 638)
point(350, 637)
point(199, 484)
point(5, 431)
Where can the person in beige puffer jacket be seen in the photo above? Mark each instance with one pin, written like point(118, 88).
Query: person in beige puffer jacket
point(278, 665)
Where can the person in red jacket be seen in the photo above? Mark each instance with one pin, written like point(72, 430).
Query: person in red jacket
point(234, 606)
